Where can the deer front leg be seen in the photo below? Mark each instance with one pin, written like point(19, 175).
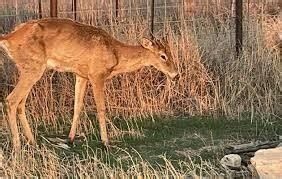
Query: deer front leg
point(22, 116)
point(26, 80)
point(12, 104)
point(80, 87)
point(99, 96)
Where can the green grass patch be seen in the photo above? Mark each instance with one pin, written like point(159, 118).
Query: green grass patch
point(178, 139)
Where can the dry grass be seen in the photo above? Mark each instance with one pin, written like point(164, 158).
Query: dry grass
point(272, 29)
point(213, 82)
point(50, 165)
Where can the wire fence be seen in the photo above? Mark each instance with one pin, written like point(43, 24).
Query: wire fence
point(153, 13)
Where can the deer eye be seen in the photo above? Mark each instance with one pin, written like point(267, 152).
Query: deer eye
point(164, 57)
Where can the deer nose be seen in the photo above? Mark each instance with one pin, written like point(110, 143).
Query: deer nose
point(176, 77)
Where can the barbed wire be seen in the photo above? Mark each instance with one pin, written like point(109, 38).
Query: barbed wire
point(98, 10)
point(121, 9)
point(112, 10)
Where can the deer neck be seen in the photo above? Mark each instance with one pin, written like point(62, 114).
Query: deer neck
point(130, 58)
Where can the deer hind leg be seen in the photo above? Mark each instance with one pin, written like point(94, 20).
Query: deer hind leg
point(99, 96)
point(80, 87)
point(26, 80)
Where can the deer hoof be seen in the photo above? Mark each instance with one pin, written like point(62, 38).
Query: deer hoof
point(107, 146)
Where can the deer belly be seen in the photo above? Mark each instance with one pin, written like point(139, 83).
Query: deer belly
point(80, 69)
point(58, 66)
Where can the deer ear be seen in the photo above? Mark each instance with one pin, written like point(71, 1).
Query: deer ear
point(146, 43)
point(165, 39)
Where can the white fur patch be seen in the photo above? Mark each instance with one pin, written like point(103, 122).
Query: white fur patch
point(51, 63)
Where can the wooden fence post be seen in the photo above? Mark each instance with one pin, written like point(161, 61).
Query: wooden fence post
point(53, 8)
point(40, 9)
point(117, 8)
point(239, 27)
point(152, 17)
point(73, 8)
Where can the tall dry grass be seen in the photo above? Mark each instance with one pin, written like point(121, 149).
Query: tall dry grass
point(212, 80)
point(47, 164)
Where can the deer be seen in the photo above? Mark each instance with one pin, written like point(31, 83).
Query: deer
point(88, 52)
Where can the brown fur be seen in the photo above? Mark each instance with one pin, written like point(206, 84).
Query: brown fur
point(67, 46)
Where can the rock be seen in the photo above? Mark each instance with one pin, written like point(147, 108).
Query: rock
point(268, 163)
point(232, 161)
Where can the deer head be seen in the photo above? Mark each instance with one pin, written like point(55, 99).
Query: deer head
point(160, 57)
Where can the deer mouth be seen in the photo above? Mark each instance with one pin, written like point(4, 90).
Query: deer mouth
point(173, 77)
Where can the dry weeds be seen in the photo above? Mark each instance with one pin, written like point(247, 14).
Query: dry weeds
point(213, 82)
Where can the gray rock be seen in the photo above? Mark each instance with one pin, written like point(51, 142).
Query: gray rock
point(231, 160)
